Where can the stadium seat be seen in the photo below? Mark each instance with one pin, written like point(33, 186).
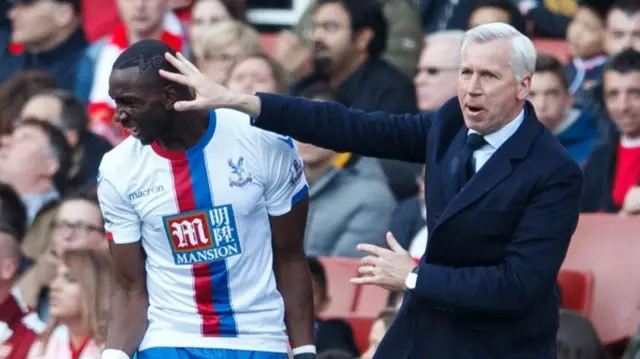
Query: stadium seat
point(342, 292)
point(608, 247)
point(553, 47)
point(370, 300)
point(577, 289)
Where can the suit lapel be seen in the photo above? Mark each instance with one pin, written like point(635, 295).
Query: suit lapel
point(497, 168)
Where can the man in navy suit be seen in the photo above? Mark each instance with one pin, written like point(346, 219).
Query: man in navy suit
point(502, 201)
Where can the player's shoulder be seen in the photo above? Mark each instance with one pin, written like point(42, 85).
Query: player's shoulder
point(234, 123)
point(122, 157)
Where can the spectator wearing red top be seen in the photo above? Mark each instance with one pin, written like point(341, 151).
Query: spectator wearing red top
point(612, 174)
point(19, 327)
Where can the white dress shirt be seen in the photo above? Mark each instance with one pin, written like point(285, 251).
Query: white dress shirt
point(495, 140)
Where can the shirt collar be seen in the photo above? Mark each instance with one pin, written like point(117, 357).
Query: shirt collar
point(496, 139)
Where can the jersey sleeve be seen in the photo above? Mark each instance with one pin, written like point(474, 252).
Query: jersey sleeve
point(121, 223)
point(285, 181)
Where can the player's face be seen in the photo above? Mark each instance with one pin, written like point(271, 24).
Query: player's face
point(65, 297)
point(141, 104)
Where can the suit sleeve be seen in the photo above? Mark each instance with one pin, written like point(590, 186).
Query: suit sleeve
point(121, 222)
point(333, 126)
point(531, 261)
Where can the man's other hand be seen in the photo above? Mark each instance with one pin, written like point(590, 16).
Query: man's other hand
point(387, 268)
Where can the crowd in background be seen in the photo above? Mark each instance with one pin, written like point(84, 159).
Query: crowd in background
point(397, 56)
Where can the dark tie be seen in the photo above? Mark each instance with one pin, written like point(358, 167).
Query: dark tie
point(466, 166)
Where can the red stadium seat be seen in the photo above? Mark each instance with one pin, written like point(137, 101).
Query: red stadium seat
point(608, 247)
point(342, 292)
point(577, 289)
point(370, 300)
point(552, 47)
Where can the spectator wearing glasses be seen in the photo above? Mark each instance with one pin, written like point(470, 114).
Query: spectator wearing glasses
point(63, 110)
point(222, 45)
point(19, 326)
point(77, 225)
point(437, 74)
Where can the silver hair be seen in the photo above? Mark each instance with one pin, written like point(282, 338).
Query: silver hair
point(522, 59)
point(453, 35)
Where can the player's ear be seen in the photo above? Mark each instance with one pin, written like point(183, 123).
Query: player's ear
point(170, 97)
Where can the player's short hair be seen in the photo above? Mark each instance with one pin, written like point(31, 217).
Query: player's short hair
point(148, 56)
point(318, 272)
point(13, 213)
point(59, 148)
point(625, 61)
point(546, 63)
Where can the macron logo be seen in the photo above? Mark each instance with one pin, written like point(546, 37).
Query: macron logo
point(145, 192)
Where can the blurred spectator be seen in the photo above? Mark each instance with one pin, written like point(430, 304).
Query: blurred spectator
point(80, 296)
point(549, 18)
point(437, 75)
point(257, 73)
point(487, 11)
point(142, 19)
point(612, 174)
point(64, 111)
point(623, 26)
point(334, 230)
point(207, 13)
point(35, 161)
point(575, 127)
point(633, 348)
point(19, 326)
point(378, 330)
point(348, 38)
point(333, 333)
point(401, 51)
point(221, 45)
point(16, 91)
point(440, 15)
point(622, 31)
point(52, 39)
point(409, 224)
point(585, 39)
point(77, 225)
point(577, 338)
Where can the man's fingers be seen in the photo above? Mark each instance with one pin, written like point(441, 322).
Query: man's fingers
point(368, 270)
point(370, 248)
point(186, 105)
point(177, 78)
point(365, 280)
point(181, 66)
point(369, 261)
point(393, 243)
point(188, 63)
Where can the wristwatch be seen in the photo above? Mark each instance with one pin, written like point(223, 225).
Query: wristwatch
point(412, 278)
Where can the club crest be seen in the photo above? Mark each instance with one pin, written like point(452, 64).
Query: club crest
point(238, 178)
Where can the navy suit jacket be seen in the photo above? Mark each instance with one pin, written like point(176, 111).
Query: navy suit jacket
point(486, 284)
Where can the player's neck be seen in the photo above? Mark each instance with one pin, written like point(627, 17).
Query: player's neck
point(189, 129)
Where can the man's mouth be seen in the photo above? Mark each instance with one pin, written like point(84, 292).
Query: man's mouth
point(132, 127)
point(474, 110)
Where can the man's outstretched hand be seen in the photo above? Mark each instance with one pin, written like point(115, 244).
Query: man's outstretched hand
point(209, 95)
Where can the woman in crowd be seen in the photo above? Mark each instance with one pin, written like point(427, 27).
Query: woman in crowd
point(257, 73)
point(208, 13)
point(77, 224)
point(216, 49)
point(79, 302)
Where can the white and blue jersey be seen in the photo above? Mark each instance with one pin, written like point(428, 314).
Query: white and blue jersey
point(203, 219)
